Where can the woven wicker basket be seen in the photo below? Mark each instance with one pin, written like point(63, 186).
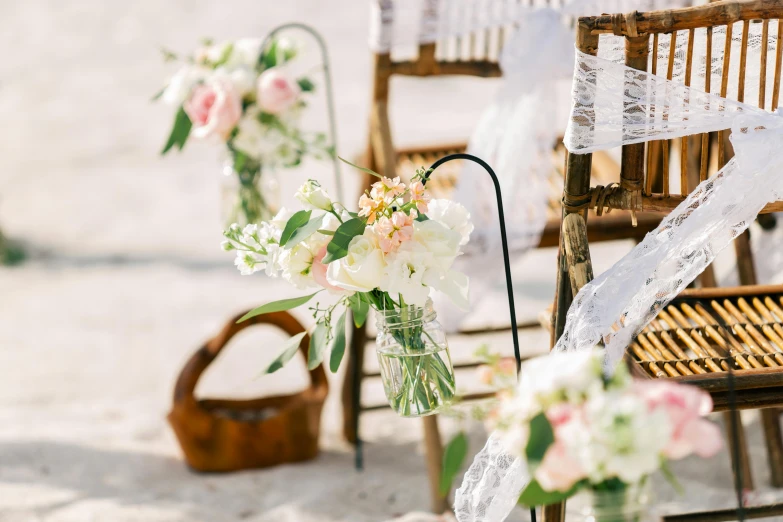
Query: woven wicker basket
point(229, 435)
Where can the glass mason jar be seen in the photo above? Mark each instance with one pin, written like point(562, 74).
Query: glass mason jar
point(631, 504)
point(414, 360)
point(250, 195)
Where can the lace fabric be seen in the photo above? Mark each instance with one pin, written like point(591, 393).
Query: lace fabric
point(614, 105)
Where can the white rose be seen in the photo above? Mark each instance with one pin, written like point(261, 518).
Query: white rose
point(453, 215)
point(438, 239)
point(245, 53)
point(361, 269)
point(180, 85)
point(313, 196)
point(242, 77)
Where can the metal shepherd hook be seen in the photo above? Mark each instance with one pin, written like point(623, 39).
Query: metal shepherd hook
point(504, 241)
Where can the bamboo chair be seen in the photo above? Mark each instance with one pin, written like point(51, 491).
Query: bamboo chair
point(474, 55)
point(705, 331)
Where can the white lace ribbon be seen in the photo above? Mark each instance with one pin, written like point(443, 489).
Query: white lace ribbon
point(616, 105)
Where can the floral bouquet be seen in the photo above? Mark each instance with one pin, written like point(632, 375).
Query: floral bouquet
point(581, 430)
point(389, 255)
point(245, 97)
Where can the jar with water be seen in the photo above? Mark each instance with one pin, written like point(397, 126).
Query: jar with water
point(414, 359)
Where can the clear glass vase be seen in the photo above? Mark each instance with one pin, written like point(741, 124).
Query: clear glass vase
point(250, 195)
point(630, 504)
point(414, 360)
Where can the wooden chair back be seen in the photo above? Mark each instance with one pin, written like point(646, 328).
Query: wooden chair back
point(699, 155)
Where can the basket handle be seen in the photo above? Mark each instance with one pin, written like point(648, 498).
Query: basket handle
point(199, 361)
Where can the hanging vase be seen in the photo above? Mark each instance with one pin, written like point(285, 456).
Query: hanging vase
point(250, 194)
point(629, 504)
point(414, 360)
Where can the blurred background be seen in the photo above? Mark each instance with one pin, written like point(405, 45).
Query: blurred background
point(124, 277)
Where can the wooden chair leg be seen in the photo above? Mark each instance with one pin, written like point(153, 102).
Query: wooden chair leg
point(352, 384)
point(744, 459)
point(770, 422)
point(554, 513)
point(433, 447)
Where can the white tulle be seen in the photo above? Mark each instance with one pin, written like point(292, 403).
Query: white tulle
point(614, 105)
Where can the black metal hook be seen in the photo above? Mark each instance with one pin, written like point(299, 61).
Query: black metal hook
point(504, 241)
point(503, 238)
point(329, 91)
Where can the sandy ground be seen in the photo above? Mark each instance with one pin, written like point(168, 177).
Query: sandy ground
point(126, 278)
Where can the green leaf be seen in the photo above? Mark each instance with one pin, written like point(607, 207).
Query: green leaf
point(326, 232)
point(268, 58)
point(359, 308)
point(317, 346)
point(422, 217)
point(338, 246)
point(541, 437)
point(298, 220)
point(366, 171)
point(179, 132)
point(453, 456)
point(304, 232)
point(305, 84)
point(277, 306)
point(265, 118)
point(338, 344)
point(289, 350)
point(534, 495)
point(224, 56)
point(158, 94)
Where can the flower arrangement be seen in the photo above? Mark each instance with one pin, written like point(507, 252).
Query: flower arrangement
point(243, 94)
point(581, 430)
point(389, 255)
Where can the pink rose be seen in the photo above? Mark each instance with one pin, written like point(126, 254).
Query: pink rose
point(319, 272)
point(560, 470)
point(685, 407)
point(214, 109)
point(277, 92)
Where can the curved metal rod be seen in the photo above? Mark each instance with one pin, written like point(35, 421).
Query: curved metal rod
point(329, 92)
point(504, 240)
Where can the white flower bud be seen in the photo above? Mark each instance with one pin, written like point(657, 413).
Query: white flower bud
point(313, 196)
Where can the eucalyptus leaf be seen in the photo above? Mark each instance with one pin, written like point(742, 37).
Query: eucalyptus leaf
point(338, 246)
point(298, 220)
point(317, 347)
point(305, 84)
point(304, 232)
point(338, 344)
point(534, 495)
point(277, 306)
point(359, 308)
point(541, 437)
point(179, 132)
point(365, 170)
point(453, 457)
point(287, 353)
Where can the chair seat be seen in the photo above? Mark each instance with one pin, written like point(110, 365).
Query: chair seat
point(704, 333)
